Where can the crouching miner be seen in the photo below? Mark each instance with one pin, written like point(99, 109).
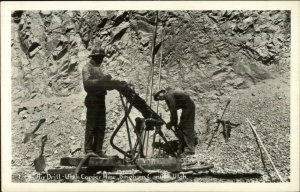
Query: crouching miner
point(96, 84)
point(185, 129)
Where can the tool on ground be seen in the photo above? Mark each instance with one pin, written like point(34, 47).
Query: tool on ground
point(262, 145)
point(227, 126)
point(39, 162)
point(32, 135)
point(218, 125)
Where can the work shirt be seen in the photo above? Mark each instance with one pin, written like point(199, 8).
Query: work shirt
point(177, 100)
point(95, 81)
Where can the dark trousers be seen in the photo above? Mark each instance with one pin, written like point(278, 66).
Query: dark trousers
point(95, 123)
point(186, 129)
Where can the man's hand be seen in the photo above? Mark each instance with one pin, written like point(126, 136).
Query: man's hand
point(169, 125)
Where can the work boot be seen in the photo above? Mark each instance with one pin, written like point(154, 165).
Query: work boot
point(103, 155)
point(89, 151)
point(180, 147)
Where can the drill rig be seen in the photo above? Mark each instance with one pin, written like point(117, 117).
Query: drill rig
point(134, 158)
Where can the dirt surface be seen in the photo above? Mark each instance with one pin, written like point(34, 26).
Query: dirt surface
point(212, 55)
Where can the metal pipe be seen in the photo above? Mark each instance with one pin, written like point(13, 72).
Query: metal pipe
point(147, 142)
point(153, 58)
point(254, 131)
point(159, 75)
point(117, 130)
point(126, 122)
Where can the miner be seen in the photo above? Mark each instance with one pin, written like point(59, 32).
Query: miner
point(185, 129)
point(96, 84)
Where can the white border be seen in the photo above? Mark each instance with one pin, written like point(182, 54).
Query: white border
point(6, 8)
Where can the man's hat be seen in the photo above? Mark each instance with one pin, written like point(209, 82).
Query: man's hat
point(97, 51)
point(157, 94)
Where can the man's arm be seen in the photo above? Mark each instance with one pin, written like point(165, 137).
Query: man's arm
point(170, 100)
point(103, 82)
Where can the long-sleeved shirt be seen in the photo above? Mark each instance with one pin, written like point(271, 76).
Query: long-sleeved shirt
point(177, 100)
point(95, 81)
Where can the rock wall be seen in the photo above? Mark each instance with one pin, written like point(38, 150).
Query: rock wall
point(203, 51)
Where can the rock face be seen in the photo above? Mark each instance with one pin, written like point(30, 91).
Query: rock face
point(208, 54)
point(202, 50)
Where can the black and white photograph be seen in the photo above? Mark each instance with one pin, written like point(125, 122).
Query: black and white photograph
point(151, 96)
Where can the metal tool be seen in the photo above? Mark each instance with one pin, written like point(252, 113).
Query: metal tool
point(32, 135)
point(39, 162)
point(218, 125)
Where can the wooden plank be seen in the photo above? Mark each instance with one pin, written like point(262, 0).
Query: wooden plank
point(102, 162)
point(169, 164)
point(69, 161)
point(93, 161)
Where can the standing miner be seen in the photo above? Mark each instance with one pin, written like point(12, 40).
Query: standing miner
point(185, 129)
point(96, 84)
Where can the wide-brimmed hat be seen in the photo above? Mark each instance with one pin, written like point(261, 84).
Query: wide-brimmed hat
point(157, 94)
point(97, 51)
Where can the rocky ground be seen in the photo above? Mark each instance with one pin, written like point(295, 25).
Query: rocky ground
point(212, 55)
